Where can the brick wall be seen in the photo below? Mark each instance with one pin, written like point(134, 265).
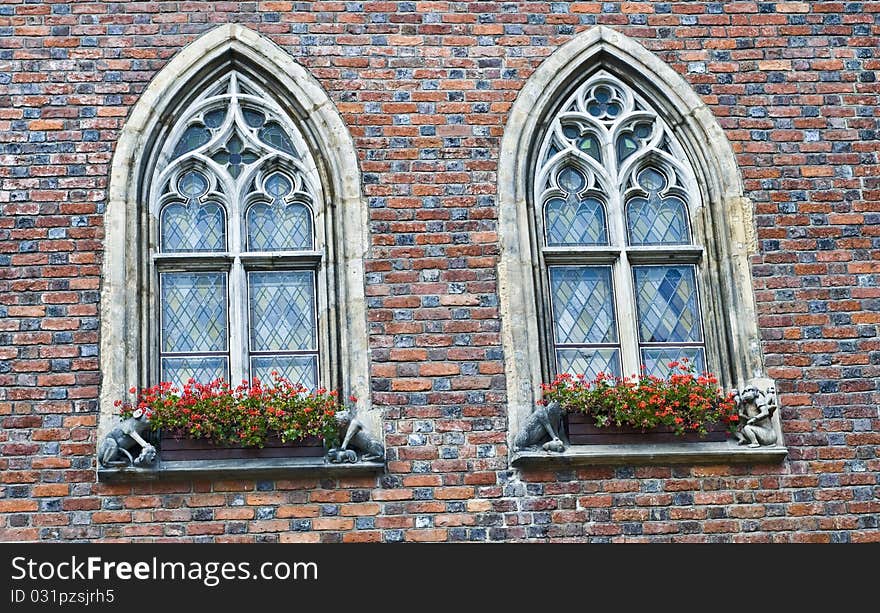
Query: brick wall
point(424, 88)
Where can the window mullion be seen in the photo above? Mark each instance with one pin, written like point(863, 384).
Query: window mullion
point(238, 321)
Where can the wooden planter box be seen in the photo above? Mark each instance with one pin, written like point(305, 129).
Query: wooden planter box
point(178, 448)
point(582, 430)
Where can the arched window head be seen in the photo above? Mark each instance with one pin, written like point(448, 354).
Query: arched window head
point(236, 229)
point(613, 192)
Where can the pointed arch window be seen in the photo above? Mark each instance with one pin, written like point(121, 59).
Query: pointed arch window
point(239, 258)
point(625, 241)
point(614, 194)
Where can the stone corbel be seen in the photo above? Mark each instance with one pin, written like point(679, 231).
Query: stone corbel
point(757, 405)
point(358, 444)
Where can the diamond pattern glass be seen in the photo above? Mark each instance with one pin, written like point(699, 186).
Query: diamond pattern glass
point(569, 222)
point(667, 302)
point(657, 221)
point(657, 359)
point(279, 227)
point(193, 227)
point(588, 362)
point(193, 312)
point(273, 135)
point(583, 304)
point(203, 369)
point(301, 369)
point(282, 310)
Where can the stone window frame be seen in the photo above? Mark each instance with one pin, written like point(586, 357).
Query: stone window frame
point(125, 350)
point(729, 240)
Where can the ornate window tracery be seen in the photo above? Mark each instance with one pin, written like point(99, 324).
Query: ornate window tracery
point(616, 193)
point(237, 186)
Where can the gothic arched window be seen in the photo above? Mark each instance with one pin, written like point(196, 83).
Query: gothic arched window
point(625, 239)
point(236, 229)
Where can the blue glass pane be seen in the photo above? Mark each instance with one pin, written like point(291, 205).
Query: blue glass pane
point(214, 119)
point(253, 118)
point(589, 144)
point(588, 362)
point(273, 135)
point(626, 146)
point(657, 359)
point(203, 369)
point(193, 138)
point(282, 310)
point(278, 186)
point(583, 304)
point(571, 180)
point(668, 305)
point(193, 311)
point(279, 227)
point(192, 184)
point(570, 222)
point(301, 369)
point(651, 180)
point(193, 227)
point(657, 221)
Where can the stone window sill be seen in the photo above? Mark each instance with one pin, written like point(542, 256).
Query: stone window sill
point(267, 468)
point(723, 452)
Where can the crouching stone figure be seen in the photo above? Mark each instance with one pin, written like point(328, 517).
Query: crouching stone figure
point(543, 424)
point(126, 439)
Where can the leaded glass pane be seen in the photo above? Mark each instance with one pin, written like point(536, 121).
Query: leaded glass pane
point(570, 222)
point(203, 369)
point(273, 134)
point(214, 119)
point(193, 310)
point(626, 146)
point(193, 227)
point(589, 144)
point(571, 180)
point(282, 310)
point(668, 308)
point(253, 118)
point(192, 184)
point(279, 227)
point(657, 221)
point(657, 359)
point(193, 138)
point(583, 304)
point(588, 362)
point(301, 369)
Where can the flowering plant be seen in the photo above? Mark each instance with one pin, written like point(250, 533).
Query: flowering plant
point(242, 416)
point(683, 401)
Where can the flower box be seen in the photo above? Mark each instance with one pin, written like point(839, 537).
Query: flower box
point(174, 447)
point(582, 430)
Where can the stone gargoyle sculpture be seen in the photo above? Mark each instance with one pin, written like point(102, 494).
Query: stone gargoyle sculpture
point(543, 424)
point(357, 440)
point(123, 441)
point(756, 409)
